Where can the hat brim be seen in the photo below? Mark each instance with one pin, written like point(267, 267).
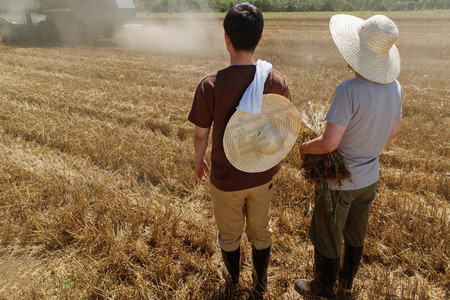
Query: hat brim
point(243, 126)
point(380, 68)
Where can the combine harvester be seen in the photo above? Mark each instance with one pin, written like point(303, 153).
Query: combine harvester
point(69, 22)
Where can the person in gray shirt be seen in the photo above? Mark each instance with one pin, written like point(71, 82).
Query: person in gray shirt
point(365, 112)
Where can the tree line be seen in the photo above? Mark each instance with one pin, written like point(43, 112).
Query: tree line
point(292, 5)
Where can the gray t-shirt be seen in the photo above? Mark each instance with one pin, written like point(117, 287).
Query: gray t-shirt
point(368, 111)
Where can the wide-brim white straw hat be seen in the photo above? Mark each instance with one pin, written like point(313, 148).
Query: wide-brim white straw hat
point(368, 45)
point(256, 142)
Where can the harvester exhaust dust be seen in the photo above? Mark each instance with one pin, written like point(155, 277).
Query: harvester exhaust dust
point(69, 22)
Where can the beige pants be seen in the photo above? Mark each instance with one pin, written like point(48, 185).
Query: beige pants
point(250, 207)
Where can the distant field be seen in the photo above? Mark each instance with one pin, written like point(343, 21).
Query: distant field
point(98, 198)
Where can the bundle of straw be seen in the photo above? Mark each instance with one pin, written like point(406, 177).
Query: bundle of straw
point(318, 169)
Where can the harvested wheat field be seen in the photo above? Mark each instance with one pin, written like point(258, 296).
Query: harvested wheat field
point(98, 198)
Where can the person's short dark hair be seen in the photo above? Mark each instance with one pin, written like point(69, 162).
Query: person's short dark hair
point(244, 25)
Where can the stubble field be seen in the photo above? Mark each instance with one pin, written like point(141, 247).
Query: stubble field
point(98, 198)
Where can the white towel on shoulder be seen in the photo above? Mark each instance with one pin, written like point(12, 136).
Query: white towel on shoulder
point(252, 98)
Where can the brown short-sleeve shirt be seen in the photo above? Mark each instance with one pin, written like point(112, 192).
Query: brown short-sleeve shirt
point(215, 101)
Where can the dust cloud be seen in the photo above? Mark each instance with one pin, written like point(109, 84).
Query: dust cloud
point(180, 33)
point(186, 34)
point(14, 6)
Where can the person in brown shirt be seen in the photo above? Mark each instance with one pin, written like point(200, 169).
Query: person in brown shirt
point(238, 197)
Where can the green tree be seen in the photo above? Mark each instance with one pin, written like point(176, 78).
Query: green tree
point(326, 5)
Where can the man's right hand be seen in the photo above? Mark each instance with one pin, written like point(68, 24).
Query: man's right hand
point(201, 168)
point(200, 145)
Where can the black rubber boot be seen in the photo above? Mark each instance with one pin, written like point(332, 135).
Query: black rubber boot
point(325, 275)
point(260, 265)
point(352, 258)
point(232, 265)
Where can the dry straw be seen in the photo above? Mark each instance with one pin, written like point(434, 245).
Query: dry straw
point(98, 198)
point(318, 169)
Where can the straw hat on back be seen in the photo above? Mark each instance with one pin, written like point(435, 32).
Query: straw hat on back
point(368, 45)
point(256, 142)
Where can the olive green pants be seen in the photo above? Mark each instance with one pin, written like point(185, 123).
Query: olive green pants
point(245, 208)
point(352, 216)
